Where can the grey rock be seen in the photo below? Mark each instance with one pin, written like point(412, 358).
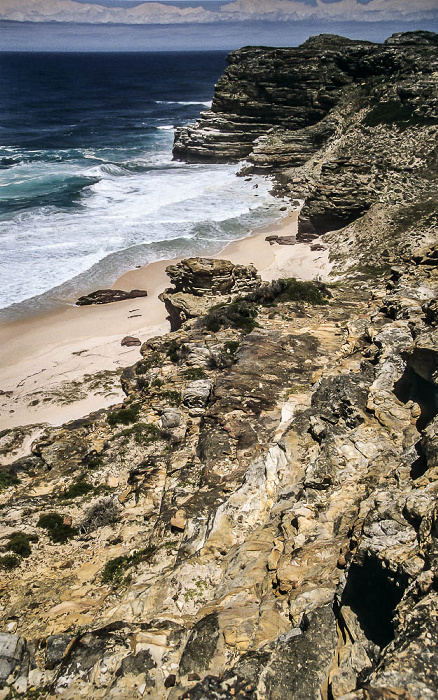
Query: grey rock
point(12, 649)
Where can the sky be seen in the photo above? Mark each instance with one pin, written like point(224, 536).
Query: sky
point(123, 25)
point(210, 11)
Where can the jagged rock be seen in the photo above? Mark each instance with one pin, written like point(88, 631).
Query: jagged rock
point(56, 647)
point(12, 649)
point(281, 240)
point(197, 280)
point(200, 276)
point(108, 296)
point(196, 395)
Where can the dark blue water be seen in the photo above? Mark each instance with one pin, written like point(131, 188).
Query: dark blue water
point(88, 188)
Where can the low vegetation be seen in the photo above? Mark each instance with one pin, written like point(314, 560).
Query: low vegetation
point(115, 569)
point(124, 416)
point(19, 543)
point(8, 479)
point(242, 312)
point(58, 531)
point(143, 433)
point(77, 489)
point(9, 562)
point(194, 373)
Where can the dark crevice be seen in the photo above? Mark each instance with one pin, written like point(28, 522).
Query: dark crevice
point(412, 387)
point(420, 466)
point(373, 594)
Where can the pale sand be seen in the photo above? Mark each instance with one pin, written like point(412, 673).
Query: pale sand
point(42, 356)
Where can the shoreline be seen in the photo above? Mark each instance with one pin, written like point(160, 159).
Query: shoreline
point(46, 359)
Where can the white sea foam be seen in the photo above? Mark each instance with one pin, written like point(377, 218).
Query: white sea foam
point(133, 213)
point(208, 103)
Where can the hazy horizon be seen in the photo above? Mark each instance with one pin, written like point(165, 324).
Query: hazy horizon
point(65, 37)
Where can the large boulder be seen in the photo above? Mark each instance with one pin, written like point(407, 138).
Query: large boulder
point(198, 280)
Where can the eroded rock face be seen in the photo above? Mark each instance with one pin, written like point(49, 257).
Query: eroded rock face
point(341, 124)
point(198, 280)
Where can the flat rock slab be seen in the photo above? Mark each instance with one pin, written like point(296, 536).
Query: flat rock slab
point(108, 296)
point(281, 240)
point(130, 342)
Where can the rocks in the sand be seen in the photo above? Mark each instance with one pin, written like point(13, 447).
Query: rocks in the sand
point(281, 240)
point(107, 296)
point(130, 342)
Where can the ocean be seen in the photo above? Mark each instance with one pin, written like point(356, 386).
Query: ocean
point(88, 187)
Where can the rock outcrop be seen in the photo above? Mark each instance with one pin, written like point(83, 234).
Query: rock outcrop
point(197, 280)
point(258, 519)
point(342, 124)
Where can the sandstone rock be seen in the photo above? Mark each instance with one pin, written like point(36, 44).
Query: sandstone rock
point(198, 280)
point(178, 521)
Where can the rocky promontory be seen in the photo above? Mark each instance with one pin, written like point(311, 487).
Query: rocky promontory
point(258, 519)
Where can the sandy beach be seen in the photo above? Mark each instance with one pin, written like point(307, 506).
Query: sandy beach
point(62, 365)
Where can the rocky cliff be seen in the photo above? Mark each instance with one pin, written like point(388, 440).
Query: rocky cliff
point(258, 519)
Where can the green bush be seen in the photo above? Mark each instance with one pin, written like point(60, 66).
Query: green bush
point(78, 489)
point(143, 433)
point(290, 289)
point(194, 373)
point(172, 351)
point(125, 416)
point(9, 562)
point(57, 531)
point(8, 479)
point(231, 347)
point(173, 398)
point(114, 570)
point(19, 543)
point(240, 314)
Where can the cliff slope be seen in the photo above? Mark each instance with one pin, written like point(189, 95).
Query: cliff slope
point(258, 519)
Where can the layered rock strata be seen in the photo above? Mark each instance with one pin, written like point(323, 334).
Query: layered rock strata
point(342, 124)
point(196, 280)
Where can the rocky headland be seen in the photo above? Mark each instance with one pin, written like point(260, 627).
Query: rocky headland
point(258, 518)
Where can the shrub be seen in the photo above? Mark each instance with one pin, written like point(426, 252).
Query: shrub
point(240, 314)
point(8, 479)
point(143, 433)
point(172, 351)
point(290, 289)
point(194, 373)
point(78, 489)
point(56, 529)
point(231, 347)
point(19, 543)
point(9, 562)
point(114, 569)
point(124, 415)
point(104, 512)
